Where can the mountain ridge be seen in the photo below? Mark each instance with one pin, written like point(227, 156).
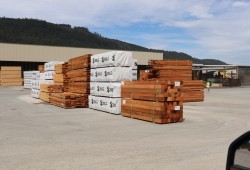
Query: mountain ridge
point(40, 32)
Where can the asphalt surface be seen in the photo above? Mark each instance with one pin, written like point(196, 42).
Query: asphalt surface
point(38, 136)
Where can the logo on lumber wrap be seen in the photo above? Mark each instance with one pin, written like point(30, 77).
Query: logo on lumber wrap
point(111, 104)
point(105, 59)
point(110, 89)
point(97, 74)
point(113, 58)
point(107, 73)
point(94, 101)
point(103, 103)
point(95, 60)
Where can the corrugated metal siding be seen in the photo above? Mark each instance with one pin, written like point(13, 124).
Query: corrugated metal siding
point(37, 53)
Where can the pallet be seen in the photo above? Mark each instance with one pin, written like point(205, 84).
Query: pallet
point(157, 112)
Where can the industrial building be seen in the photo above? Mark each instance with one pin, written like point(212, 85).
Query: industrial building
point(30, 56)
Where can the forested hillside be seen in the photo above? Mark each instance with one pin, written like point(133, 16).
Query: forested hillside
point(38, 32)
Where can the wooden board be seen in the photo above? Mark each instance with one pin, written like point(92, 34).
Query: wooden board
point(51, 88)
point(10, 68)
point(44, 96)
point(158, 112)
point(193, 96)
point(18, 80)
point(152, 90)
point(41, 68)
point(10, 72)
point(79, 87)
point(78, 73)
point(11, 76)
point(79, 62)
point(61, 68)
point(11, 83)
point(68, 100)
point(60, 78)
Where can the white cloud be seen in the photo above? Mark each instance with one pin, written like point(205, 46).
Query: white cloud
point(219, 29)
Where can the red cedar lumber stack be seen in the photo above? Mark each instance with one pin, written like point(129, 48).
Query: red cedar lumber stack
point(179, 70)
point(11, 76)
point(47, 89)
point(60, 76)
point(77, 78)
point(154, 101)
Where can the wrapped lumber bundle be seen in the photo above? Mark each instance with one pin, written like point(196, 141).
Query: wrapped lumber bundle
point(155, 101)
point(157, 112)
point(193, 91)
point(134, 70)
point(11, 76)
point(60, 77)
point(68, 100)
point(112, 59)
point(107, 72)
point(152, 90)
point(105, 104)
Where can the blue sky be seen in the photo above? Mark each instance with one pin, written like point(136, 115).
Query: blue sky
point(218, 29)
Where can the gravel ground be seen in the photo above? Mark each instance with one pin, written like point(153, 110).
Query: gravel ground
point(35, 135)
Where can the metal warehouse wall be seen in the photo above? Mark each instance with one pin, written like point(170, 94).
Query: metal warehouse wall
point(244, 75)
point(38, 53)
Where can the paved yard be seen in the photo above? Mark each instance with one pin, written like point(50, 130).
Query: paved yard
point(35, 135)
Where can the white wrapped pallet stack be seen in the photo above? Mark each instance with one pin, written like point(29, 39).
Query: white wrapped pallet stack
point(134, 70)
point(35, 84)
point(108, 70)
point(28, 77)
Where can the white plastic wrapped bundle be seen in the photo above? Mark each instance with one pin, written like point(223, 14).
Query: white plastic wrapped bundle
point(35, 93)
point(134, 74)
point(50, 66)
point(49, 75)
point(27, 85)
point(134, 66)
point(35, 84)
point(35, 75)
point(42, 76)
point(112, 59)
point(111, 74)
point(110, 105)
point(105, 89)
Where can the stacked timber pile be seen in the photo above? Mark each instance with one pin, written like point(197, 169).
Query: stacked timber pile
point(47, 83)
point(47, 89)
point(154, 101)
point(176, 70)
point(107, 72)
point(193, 91)
point(68, 100)
point(10, 76)
point(27, 75)
point(74, 78)
point(35, 84)
point(60, 76)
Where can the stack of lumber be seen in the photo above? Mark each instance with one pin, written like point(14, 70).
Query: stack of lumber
point(68, 100)
point(176, 70)
point(193, 91)
point(74, 78)
point(154, 101)
point(60, 76)
point(11, 76)
point(79, 74)
point(171, 69)
point(47, 89)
